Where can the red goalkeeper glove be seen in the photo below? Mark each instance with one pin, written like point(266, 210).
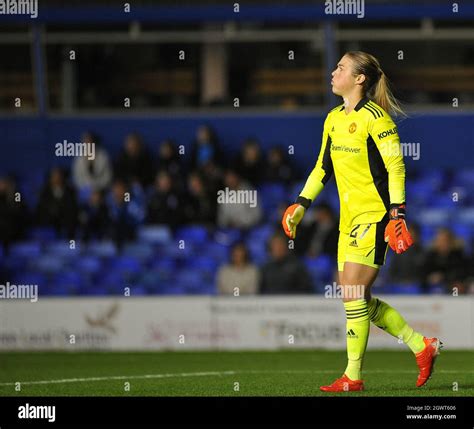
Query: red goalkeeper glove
point(396, 233)
point(292, 218)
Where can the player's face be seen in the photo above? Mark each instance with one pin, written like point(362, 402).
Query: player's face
point(343, 82)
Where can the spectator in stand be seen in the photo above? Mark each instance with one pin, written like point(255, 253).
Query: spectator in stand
point(164, 204)
point(134, 164)
point(408, 267)
point(240, 212)
point(94, 174)
point(446, 263)
point(168, 159)
point(284, 273)
point(241, 273)
point(57, 205)
point(321, 235)
point(94, 217)
point(200, 204)
point(277, 168)
point(126, 213)
point(205, 148)
point(13, 213)
point(249, 163)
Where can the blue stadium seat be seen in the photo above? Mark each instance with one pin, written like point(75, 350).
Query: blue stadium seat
point(84, 194)
point(62, 249)
point(31, 278)
point(321, 270)
point(43, 234)
point(405, 289)
point(48, 264)
point(125, 264)
point(427, 234)
point(67, 283)
point(141, 251)
point(88, 264)
point(442, 200)
point(261, 233)
point(102, 249)
point(216, 251)
point(437, 289)
point(227, 236)
point(154, 282)
point(154, 234)
point(27, 250)
point(258, 251)
point(465, 216)
point(192, 282)
point(465, 177)
point(434, 217)
point(270, 195)
point(202, 264)
point(195, 234)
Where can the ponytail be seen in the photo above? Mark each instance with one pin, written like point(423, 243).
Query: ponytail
point(376, 85)
point(382, 95)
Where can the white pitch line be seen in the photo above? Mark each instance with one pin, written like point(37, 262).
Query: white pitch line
point(213, 373)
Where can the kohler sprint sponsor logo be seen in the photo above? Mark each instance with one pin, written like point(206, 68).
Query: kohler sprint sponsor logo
point(19, 7)
point(345, 7)
point(44, 412)
point(13, 291)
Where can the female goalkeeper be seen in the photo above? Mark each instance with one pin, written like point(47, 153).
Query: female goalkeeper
point(361, 147)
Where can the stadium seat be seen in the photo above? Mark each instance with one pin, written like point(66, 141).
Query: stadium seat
point(227, 236)
point(270, 195)
point(42, 234)
point(102, 249)
point(141, 251)
point(427, 234)
point(465, 216)
point(62, 249)
point(261, 233)
point(434, 217)
point(258, 251)
point(48, 264)
point(88, 264)
point(67, 282)
point(154, 234)
point(195, 234)
point(216, 251)
point(404, 289)
point(190, 281)
point(437, 289)
point(125, 264)
point(321, 270)
point(27, 250)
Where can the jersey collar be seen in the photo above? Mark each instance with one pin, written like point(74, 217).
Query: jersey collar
point(359, 105)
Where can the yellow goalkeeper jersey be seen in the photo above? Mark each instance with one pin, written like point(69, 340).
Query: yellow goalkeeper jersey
point(362, 149)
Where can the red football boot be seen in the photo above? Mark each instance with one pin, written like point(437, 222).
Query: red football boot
point(344, 384)
point(426, 359)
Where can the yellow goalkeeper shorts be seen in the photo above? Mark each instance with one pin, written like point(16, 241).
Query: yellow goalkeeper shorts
point(365, 245)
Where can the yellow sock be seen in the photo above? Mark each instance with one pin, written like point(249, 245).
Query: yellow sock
point(357, 334)
point(391, 321)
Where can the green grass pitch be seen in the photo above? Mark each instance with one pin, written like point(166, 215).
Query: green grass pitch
point(243, 373)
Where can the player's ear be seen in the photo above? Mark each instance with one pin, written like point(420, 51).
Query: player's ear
point(360, 79)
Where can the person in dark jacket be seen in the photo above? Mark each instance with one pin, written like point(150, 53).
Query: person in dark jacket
point(284, 273)
point(57, 205)
point(135, 163)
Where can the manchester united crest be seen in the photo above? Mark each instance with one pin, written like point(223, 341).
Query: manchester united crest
point(352, 127)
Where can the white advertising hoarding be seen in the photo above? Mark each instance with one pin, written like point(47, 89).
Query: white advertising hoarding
point(192, 323)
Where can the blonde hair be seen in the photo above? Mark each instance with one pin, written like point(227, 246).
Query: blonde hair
point(376, 85)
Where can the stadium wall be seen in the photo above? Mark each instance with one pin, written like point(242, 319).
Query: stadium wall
point(222, 323)
point(31, 140)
